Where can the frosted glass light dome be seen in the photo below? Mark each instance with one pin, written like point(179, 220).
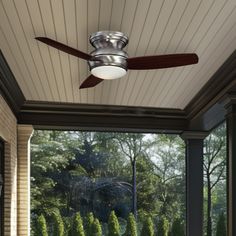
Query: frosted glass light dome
point(108, 72)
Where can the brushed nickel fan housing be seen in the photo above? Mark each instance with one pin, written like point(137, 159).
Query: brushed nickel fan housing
point(108, 50)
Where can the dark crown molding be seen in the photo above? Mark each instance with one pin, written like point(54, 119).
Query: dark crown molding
point(102, 117)
point(206, 110)
point(223, 81)
point(9, 87)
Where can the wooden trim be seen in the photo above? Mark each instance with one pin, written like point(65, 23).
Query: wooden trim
point(223, 80)
point(102, 117)
point(9, 87)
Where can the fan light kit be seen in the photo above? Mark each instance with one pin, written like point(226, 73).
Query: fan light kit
point(108, 72)
point(108, 61)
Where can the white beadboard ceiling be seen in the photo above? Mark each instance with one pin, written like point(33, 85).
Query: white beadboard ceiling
point(206, 27)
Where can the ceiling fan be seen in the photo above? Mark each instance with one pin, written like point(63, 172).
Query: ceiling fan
point(109, 61)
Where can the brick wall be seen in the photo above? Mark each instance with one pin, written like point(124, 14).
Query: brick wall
point(8, 132)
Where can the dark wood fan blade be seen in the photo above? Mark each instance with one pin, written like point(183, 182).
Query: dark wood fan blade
point(64, 48)
point(91, 81)
point(161, 61)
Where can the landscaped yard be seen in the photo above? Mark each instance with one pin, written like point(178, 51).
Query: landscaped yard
point(101, 183)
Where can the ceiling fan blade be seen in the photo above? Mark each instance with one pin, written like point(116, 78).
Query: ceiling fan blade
point(64, 48)
point(91, 81)
point(161, 61)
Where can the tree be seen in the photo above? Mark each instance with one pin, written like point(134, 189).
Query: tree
point(214, 166)
point(131, 227)
point(88, 222)
point(148, 228)
point(77, 226)
point(221, 226)
point(163, 227)
point(49, 157)
point(41, 226)
point(177, 228)
point(113, 225)
point(58, 225)
point(96, 228)
point(132, 145)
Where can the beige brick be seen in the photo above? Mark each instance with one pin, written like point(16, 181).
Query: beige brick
point(8, 132)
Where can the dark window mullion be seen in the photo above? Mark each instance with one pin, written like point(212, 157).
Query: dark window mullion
point(2, 192)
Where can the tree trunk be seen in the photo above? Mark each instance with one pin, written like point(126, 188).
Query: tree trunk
point(134, 195)
point(209, 207)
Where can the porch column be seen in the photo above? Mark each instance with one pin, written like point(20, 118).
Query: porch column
point(231, 166)
point(24, 133)
point(194, 182)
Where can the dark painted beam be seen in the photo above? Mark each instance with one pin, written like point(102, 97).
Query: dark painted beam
point(194, 182)
point(102, 117)
point(9, 87)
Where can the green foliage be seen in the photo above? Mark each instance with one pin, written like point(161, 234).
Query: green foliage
point(148, 228)
point(88, 222)
point(77, 226)
point(96, 228)
point(41, 226)
point(68, 166)
point(221, 226)
point(215, 177)
point(58, 225)
point(49, 154)
point(113, 225)
point(177, 228)
point(163, 227)
point(131, 227)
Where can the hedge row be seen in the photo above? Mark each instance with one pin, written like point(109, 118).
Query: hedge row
point(91, 226)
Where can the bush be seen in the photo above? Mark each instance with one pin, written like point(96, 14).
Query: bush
point(163, 227)
point(177, 228)
point(77, 226)
point(96, 229)
point(113, 225)
point(88, 222)
point(58, 225)
point(221, 226)
point(41, 226)
point(131, 227)
point(148, 228)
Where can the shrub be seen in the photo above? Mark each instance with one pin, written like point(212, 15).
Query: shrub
point(177, 228)
point(77, 226)
point(221, 226)
point(113, 225)
point(88, 222)
point(148, 228)
point(96, 229)
point(58, 225)
point(163, 227)
point(41, 226)
point(131, 227)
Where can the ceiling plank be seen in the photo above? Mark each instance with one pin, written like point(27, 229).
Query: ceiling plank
point(164, 44)
point(38, 29)
point(58, 16)
point(82, 43)
point(11, 37)
point(26, 23)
